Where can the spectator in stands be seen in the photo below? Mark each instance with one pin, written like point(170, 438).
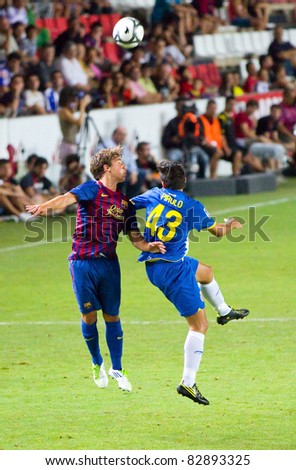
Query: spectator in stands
point(147, 167)
point(244, 15)
point(139, 94)
point(281, 80)
point(268, 127)
point(98, 7)
point(71, 69)
point(14, 64)
point(213, 142)
point(178, 39)
point(237, 86)
point(146, 80)
point(262, 85)
point(72, 34)
point(257, 9)
point(74, 174)
point(283, 52)
point(46, 66)
point(95, 37)
point(29, 45)
point(182, 138)
point(35, 184)
point(121, 93)
point(266, 63)
point(17, 12)
point(157, 55)
point(227, 83)
point(104, 96)
point(185, 81)
point(132, 184)
point(34, 99)
point(165, 83)
point(168, 11)
point(287, 121)
point(231, 152)
point(8, 43)
point(59, 9)
point(209, 21)
point(31, 161)
point(198, 89)
point(70, 123)
point(12, 103)
point(92, 69)
point(261, 146)
point(12, 198)
point(252, 78)
point(52, 94)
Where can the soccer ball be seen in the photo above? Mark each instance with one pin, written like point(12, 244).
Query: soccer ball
point(128, 32)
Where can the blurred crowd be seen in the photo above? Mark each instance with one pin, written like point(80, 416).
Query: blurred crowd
point(73, 74)
point(34, 69)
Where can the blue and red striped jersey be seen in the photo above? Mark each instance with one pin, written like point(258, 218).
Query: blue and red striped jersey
point(101, 215)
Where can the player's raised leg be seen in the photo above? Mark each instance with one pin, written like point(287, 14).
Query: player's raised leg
point(91, 337)
point(114, 339)
point(212, 293)
point(193, 350)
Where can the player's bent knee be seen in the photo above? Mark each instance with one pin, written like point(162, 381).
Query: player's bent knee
point(89, 318)
point(110, 318)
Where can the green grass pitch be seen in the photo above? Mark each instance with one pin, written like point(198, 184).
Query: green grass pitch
point(48, 398)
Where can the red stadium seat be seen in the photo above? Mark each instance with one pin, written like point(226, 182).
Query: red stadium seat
point(214, 74)
point(111, 51)
point(39, 23)
point(49, 23)
point(94, 19)
point(85, 21)
point(61, 24)
point(107, 25)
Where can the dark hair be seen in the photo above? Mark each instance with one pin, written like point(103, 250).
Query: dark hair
point(229, 98)
point(252, 103)
point(96, 24)
point(172, 174)
point(211, 102)
point(140, 145)
point(14, 55)
point(40, 161)
point(73, 157)
point(30, 27)
point(67, 95)
point(275, 106)
point(31, 158)
point(3, 161)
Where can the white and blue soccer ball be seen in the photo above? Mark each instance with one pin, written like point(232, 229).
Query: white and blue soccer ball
point(128, 32)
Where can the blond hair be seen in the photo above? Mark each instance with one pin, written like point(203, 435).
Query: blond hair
point(104, 157)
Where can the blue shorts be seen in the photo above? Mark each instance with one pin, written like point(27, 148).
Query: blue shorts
point(177, 282)
point(96, 284)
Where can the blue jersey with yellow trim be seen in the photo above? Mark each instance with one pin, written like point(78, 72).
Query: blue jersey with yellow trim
point(170, 216)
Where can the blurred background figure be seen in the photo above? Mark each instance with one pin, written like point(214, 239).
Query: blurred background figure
point(147, 167)
point(70, 123)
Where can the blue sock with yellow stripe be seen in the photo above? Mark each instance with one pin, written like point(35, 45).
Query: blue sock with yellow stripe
point(114, 338)
point(91, 337)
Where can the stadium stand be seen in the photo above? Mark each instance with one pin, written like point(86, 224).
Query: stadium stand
point(208, 57)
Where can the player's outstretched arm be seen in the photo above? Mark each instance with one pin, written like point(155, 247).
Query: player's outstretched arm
point(141, 244)
point(219, 230)
point(57, 203)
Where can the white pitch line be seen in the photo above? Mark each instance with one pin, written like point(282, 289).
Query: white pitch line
point(273, 202)
point(143, 323)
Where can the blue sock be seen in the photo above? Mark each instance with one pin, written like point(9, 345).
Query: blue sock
point(114, 338)
point(91, 337)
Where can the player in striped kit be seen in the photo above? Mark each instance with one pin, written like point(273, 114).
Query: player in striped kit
point(102, 213)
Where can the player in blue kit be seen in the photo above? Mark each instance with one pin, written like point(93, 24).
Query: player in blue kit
point(170, 216)
point(102, 213)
